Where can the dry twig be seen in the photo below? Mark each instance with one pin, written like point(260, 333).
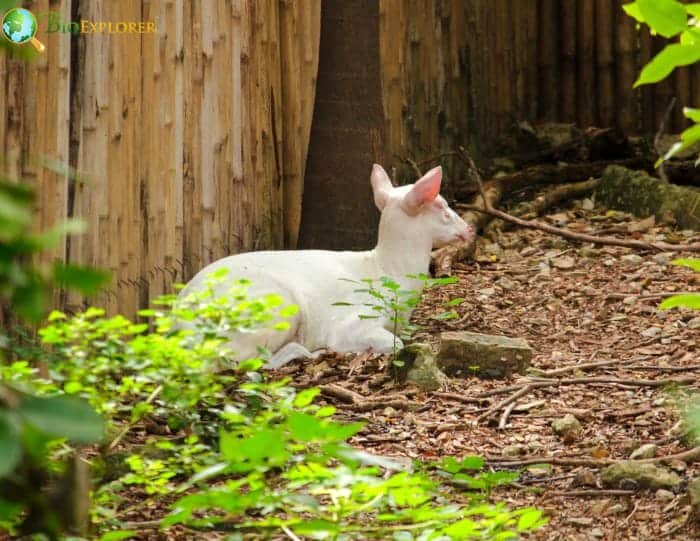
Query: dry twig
point(565, 233)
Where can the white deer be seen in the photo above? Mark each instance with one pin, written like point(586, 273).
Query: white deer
point(414, 220)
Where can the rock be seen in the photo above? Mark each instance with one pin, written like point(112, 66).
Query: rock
point(645, 451)
point(616, 509)
point(587, 204)
point(630, 473)
point(486, 291)
point(585, 478)
point(568, 427)
point(579, 521)
point(694, 494)
point(587, 251)
point(506, 283)
point(663, 258)
point(664, 495)
point(513, 450)
point(596, 533)
point(694, 323)
point(642, 225)
point(423, 371)
point(651, 332)
point(563, 263)
point(630, 260)
point(466, 354)
point(636, 191)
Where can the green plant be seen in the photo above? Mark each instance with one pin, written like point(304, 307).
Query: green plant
point(681, 23)
point(687, 300)
point(394, 304)
point(244, 453)
point(32, 429)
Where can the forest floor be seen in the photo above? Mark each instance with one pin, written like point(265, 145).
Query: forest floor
point(575, 305)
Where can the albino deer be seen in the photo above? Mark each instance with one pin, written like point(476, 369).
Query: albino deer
point(414, 220)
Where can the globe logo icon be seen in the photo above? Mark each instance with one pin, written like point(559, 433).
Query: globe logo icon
point(19, 26)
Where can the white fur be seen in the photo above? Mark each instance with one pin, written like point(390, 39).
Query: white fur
point(414, 220)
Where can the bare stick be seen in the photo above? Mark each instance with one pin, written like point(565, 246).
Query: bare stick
point(594, 493)
point(512, 398)
point(458, 397)
point(534, 383)
point(686, 456)
point(504, 416)
point(582, 237)
point(659, 133)
point(507, 462)
point(586, 366)
point(415, 167)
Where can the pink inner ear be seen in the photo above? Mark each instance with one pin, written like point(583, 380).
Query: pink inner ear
point(426, 189)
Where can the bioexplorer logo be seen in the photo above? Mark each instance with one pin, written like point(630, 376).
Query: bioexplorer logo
point(19, 26)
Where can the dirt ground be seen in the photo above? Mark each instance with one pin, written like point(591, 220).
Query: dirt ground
point(575, 305)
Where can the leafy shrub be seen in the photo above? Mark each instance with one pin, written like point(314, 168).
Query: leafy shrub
point(680, 23)
point(31, 428)
point(244, 453)
point(389, 301)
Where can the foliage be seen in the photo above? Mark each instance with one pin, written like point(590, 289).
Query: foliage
point(32, 427)
point(687, 300)
point(244, 453)
point(680, 22)
point(394, 304)
point(24, 284)
point(691, 301)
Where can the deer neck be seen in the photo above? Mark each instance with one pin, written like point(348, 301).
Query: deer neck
point(400, 252)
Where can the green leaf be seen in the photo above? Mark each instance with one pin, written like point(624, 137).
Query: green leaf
point(85, 279)
point(665, 17)
point(57, 232)
point(671, 57)
point(530, 518)
point(693, 9)
point(450, 314)
point(289, 310)
point(455, 302)
point(689, 300)
point(305, 397)
point(690, 263)
point(10, 448)
point(342, 303)
point(632, 9)
point(692, 114)
point(63, 417)
point(118, 535)
point(689, 137)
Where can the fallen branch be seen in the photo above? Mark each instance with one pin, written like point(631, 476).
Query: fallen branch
point(379, 404)
point(554, 196)
point(344, 395)
point(458, 397)
point(594, 493)
point(582, 237)
point(508, 462)
point(503, 421)
point(686, 456)
point(587, 366)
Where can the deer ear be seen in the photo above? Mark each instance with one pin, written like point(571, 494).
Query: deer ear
point(381, 186)
point(425, 190)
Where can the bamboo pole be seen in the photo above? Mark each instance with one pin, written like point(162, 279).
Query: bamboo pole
point(604, 19)
point(568, 24)
point(586, 75)
point(548, 48)
point(625, 52)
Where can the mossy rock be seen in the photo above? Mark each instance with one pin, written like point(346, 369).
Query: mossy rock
point(637, 192)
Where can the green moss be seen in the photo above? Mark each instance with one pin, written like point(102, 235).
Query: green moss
point(643, 195)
